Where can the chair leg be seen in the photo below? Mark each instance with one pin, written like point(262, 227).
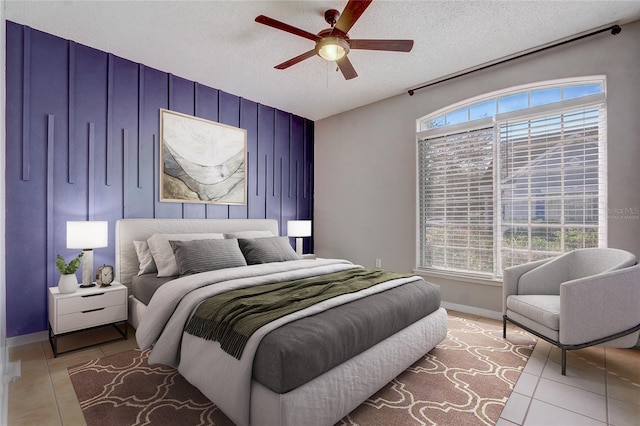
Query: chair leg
point(564, 362)
point(504, 327)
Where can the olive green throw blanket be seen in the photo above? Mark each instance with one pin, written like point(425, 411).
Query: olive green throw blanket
point(232, 317)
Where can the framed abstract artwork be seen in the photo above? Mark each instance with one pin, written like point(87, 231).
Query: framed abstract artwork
point(201, 161)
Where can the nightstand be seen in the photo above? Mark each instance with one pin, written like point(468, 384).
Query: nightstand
point(86, 309)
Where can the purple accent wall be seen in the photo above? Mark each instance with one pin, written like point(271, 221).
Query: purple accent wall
point(82, 144)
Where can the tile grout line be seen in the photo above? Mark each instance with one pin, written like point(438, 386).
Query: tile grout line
point(535, 388)
point(53, 388)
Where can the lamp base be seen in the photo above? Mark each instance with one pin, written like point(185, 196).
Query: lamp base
point(87, 268)
point(299, 246)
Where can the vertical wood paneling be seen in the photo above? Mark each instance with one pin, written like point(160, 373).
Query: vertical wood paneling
point(126, 170)
point(26, 103)
point(156, 173)
point(170, 91)
point(83, 143)
point(296, 152)
point(16, 189)
point(92, 111)
point(266, 143)
point(108, 145)
point(91, 143)
point(124, 130)
point(249, 121)
point(27, 243)
point(282, 158)
point(305, 197)
point(156, 97)
point(71, 119)
point(50, 199)
point(141, 69)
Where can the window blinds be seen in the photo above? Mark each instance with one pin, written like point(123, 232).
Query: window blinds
point(552, 179)
point(520, 190)
point(456, 201)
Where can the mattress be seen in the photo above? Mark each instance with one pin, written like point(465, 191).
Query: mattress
point(302, 350)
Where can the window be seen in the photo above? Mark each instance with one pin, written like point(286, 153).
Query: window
point(513, 178)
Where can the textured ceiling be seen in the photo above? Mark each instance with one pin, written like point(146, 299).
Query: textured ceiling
point(217, 43)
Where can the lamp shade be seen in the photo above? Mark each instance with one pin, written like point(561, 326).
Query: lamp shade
point(299, 228)
point(87, 234)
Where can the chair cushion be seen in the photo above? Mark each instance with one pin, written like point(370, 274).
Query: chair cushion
point(543, 309)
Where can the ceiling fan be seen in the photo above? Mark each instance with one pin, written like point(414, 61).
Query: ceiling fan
point(333, 44)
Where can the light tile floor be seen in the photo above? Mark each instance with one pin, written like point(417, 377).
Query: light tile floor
point(44, 395)
point(602, 385)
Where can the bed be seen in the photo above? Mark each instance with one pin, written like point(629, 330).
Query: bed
point(312, 366)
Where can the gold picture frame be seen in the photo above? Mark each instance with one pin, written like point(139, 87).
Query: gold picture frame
point(201, 161)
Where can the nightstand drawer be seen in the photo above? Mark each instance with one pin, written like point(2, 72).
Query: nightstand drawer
point(88, 302)
point(91, 318)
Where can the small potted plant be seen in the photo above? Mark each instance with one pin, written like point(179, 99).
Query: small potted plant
point(68, 282)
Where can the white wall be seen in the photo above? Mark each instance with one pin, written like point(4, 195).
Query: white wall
point(365, 163)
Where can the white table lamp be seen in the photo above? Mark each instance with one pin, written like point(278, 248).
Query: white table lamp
point(299, 229)
point(87, 235)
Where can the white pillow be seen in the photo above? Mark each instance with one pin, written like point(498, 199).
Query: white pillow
point(163, 253)
point(249, 234)
point(147, 265)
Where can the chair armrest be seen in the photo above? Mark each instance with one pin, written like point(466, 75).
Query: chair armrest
point(599, 306)
point(510, 277)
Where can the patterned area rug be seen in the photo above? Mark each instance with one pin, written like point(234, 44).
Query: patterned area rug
point(465, 380)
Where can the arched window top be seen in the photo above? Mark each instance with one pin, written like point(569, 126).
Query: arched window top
point(512, 99)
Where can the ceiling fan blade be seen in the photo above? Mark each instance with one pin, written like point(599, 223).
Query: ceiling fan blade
point(347, 68)
point(286, 27)
point(351, 13)
point(390, 45)
point(293, 61)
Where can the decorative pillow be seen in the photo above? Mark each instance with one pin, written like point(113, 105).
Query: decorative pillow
point(147, 265)
point(163, 253)
point(249, 234)
point(197, 256)
point(266, 250)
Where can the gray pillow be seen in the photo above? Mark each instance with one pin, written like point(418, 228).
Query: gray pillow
point(163, 255)
point(266, 250)
point(197, 256)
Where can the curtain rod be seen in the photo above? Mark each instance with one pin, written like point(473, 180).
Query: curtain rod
point(615, 30)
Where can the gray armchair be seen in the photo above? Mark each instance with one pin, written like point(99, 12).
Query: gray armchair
point(582, 298)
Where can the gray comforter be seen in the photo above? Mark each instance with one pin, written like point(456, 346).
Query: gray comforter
point(227, 385)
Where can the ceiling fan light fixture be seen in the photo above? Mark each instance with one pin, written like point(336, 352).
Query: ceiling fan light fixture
point(332, 48)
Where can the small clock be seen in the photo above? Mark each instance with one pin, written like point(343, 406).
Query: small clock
point(104, 275)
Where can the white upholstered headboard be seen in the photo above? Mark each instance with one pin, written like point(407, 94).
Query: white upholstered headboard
point(130, 230)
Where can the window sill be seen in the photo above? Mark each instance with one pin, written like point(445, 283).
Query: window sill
point(457, 277)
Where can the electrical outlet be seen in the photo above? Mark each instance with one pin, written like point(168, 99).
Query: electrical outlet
point(378, 263)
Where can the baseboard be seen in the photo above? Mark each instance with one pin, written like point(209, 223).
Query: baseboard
point(27, 338)
point(472, 310)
